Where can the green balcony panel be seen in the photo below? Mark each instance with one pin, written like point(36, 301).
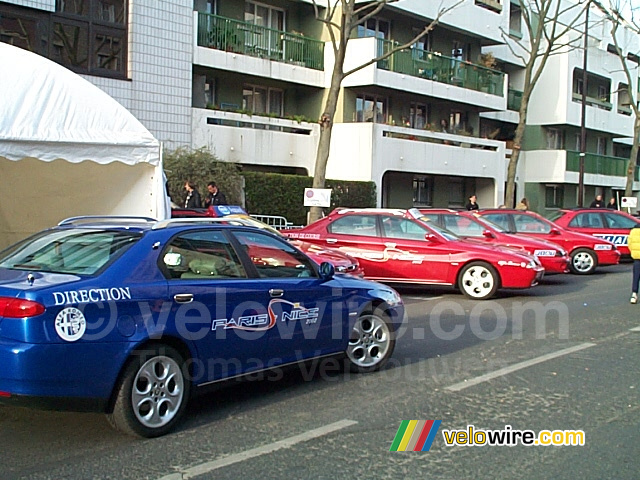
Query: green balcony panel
point(599, 165)
point(439, 68)
point(231, 35)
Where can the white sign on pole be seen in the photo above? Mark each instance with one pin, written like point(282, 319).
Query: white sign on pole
point(629, 202)
point(317, 197)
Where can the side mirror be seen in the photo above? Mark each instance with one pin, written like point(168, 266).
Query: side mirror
point(554, 231)
point(327, 271)
point(431, 237)
point(488, 234)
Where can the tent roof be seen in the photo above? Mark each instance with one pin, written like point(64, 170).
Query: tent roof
point(48, 112)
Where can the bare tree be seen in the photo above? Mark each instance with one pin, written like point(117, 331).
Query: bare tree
point(341, 18)
point(615, 15)
point(549, 27)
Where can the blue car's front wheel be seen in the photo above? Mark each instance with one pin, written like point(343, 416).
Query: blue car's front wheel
point(371, 342)
point(152, 394)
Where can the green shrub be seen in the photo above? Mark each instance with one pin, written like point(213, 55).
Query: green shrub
point(201, 167)
point(283, 195)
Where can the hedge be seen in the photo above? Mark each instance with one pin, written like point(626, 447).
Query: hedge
point(278, 194)
point(264, 193)
point(201, 167)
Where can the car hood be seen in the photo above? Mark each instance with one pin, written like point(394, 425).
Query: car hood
point(523, 240)
point(479, 246)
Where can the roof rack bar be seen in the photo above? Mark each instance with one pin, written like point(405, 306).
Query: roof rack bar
point(181, 221)
point(104, 219)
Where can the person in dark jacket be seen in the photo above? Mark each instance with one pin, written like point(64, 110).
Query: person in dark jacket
point(193, 196)
point(597, 203)
point(215, 196)
point(473, 204)
point(612, 204)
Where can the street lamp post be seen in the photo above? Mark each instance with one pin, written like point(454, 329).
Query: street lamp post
point(583, 127)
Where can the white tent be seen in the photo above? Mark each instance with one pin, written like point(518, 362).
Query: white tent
point(67, 148)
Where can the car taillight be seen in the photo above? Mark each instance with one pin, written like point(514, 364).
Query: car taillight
point(18, 308)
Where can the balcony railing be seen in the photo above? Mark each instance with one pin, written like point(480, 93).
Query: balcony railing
point(438, 68)
point(514, 100)
point(230, 35)
point(600, 165)
point(601, 103)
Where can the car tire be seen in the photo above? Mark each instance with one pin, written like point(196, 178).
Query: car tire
point(371, 342)
point(583, 261)
point(152, 393)
point(478, 280)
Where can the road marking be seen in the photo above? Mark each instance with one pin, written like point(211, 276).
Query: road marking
point(518, 366)
point(207, 467)
point(636, 329)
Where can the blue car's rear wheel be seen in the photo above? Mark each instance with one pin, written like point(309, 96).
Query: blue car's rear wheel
point(152, 394)
point(371, 342)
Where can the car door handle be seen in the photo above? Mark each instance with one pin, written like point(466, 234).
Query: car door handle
point(276, 292)
point(332, 240)
point(183, 297)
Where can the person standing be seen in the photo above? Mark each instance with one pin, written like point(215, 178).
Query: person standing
point(215, 196)
point(473, 203)
point(597, 203)
point(634, 249)
point(193, 196)
point(612, 203)
point(523, 205)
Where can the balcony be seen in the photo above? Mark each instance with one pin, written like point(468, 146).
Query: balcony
point(244, 138)
point(380, 148)
point(600, 165)
point(442, 69)
point(229, 35)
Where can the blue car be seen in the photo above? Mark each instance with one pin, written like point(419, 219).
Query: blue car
point(132, 316)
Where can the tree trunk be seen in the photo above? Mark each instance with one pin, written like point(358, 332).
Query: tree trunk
point(509, 200)
point(633, 157)
point(326, 127)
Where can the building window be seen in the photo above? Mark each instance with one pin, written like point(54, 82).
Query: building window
point(515, 21)
point(554, 196)
point(264, 16)
point(555, 139)
point(209, 91)
point(422, 191)
point(371, 108)
point(603, 93)
point(419, 115)
point(260, 99)
point(375, 27)
point(87, 37)
point(456, 193)
point(601, 148)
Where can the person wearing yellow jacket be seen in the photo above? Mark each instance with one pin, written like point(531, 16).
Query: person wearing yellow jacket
point(634, 248)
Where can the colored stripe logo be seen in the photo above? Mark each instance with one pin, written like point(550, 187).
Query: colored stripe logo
point(415, 436)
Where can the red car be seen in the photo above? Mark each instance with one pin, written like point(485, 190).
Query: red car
point(586, 252)
point(611, 225)
point(394, 246)
point(553, 257)
point(342, 262)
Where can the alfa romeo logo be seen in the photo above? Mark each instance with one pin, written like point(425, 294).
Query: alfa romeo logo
point(70, 324)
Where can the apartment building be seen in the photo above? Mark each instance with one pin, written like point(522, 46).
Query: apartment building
point(548, 170)
point(248, 80)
